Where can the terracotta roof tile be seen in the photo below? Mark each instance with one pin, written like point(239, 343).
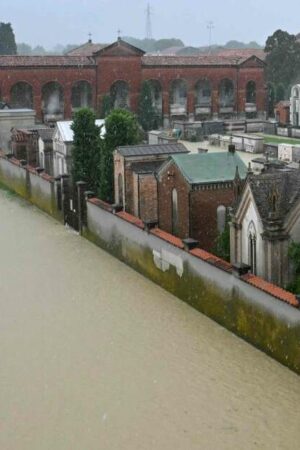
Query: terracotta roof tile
point(48, 61)
point(167, 237)
point(198, 60)
point(132, 219)
point(97, 202)
point(271, 289)
point(212, 259)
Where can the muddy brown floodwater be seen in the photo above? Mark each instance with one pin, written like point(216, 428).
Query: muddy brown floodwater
point(94, 356)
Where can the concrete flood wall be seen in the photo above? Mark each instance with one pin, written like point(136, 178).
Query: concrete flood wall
point(39, 189)
point(203, 281)
point(264, 315)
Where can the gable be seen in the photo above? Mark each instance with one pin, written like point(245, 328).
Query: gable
point(253, 62)
point(120, 48)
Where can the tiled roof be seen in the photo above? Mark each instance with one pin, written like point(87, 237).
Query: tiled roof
point(86, 49)
point(198, 60)
point(210, 167)
point(242, 53)
point(146, 167)
point(160, 149)
point(45, 61)
point(284, 184)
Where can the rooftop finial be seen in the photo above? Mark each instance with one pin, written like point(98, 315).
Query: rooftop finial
point(119, 34)
point(90, 37)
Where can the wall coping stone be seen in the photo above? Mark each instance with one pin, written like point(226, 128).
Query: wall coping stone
point(255, 281)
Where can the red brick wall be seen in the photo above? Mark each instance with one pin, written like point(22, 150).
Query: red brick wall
point(38, 77)
point(165, 187)
point(203, 214)
point(282, 114)
point(147, 197)
point(197, 210)
point(109, 69)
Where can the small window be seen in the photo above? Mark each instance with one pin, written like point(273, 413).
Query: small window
point(174, 212)
point(221, 218)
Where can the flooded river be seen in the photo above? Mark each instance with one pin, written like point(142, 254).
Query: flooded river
point(95, 357)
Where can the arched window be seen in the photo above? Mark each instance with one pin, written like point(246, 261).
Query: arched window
point(221, 218)
point(203, 93)
point(296, 92)
point(174, 212)
point(251, 92)
point(156, 93)
point(252, 247)
point(120, 189)
point(53, 99)
point(119, 93)
point(178, 97)
point(21, 95)
point(226, 94)
point(81, 95)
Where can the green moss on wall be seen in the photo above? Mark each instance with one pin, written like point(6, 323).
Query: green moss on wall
point(239, 315)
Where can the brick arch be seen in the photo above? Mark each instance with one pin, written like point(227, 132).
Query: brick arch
point(120, 94)
point(178, 89)
point(203, 91)
point(227, 95)
point(81, 94)
point(157, 94)
point(52, 95)
point(251, 90)
point(21, 95)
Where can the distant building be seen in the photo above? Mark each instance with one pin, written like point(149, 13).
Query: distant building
point(134, 177)
point(230, 84)
point(295, 106)
point(24, 143)
point(13, 118)
point(194, 192)
point(63, 137)
point(265, 221)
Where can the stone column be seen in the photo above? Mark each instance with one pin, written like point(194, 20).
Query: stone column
point(37, 103)
point(215, 103)
point(166, 109)
point(191, 105)
point(68, 103)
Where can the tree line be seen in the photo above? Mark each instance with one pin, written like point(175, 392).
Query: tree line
point(92, 154)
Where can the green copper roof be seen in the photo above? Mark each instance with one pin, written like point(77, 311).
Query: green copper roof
point(210, 167)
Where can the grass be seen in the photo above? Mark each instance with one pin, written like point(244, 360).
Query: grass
point(269, 139)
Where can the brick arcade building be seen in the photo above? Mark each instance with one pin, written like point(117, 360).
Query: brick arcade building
point(188, 87)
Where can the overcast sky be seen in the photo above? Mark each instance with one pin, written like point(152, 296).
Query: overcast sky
point(48, 22)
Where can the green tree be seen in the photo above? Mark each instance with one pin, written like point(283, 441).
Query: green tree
point(7, 40)
point(86, 149)
point(121, 129)
point(222, 244)
point(147, 115)
point(294, 255)
point(24, 49)
point(280, 92)
point(271, 99)
point(283, 57)
point(106, 106)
